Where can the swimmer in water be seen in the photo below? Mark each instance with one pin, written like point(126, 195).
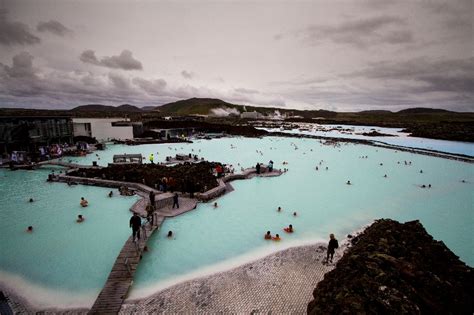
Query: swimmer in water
point(29, 229)
point(276, 238)
point(348, 182)
point(279, 209)
point(294, 214)
point(170, 234)
point(289, 229)
point(84, 202)
point(111, 193)
point(268, 236)
point(215, 205)
point(80, 218)
point(31, 200)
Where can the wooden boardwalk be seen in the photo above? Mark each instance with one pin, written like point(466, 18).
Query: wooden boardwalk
point(64, 164)
point(120, 279)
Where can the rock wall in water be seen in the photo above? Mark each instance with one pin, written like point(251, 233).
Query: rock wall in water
point(395, 268)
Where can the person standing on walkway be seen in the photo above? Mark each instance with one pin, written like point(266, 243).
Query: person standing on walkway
point(333, 244)
point(135, 224)
point(175, 200)
point(257, 168)
point(152, 198)
point(152, 158)
point(149, 213)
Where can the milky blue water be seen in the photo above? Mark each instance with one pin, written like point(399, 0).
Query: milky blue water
point(62, 263)
point(206, 239)
point(401, 139)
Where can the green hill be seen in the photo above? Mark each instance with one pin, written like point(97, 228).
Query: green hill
point(204, 106)
point(195, 106)
point(106, 108)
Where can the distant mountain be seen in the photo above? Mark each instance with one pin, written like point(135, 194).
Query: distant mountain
point(205, 106)
point(196, 106)
point(106, 108)
point(422, 110)
point(375, 112)
point(148, 108)
point(128, 108)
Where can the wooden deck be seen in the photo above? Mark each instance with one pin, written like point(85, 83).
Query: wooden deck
point(120, 279)
point(64, 164)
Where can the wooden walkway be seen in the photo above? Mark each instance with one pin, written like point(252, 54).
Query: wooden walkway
point(120, 279)
point(64, 164)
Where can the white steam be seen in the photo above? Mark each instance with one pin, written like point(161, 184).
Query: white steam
point(224, 111)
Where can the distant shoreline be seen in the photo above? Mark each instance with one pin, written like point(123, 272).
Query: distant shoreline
point(434, 153)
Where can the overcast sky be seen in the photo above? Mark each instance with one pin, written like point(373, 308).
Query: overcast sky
point(336, 55)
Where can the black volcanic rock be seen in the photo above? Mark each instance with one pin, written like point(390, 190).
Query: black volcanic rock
point(199, 174)
point(454, 131)
point(422, 110)
point(396, 268)
point(374, 133)
point(247, 131)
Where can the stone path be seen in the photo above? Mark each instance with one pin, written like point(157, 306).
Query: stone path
point(281, 283)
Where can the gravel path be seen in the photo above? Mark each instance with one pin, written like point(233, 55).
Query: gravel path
point(279, 283)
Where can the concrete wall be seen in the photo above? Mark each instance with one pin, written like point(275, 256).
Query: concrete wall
point(102, 129)
point(80, 129)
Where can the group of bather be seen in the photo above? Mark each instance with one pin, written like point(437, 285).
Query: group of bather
point(289, 229)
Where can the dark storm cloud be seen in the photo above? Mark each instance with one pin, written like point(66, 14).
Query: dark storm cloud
point(124, 61)
point(187, 74)
point(152, 87)
point(22, 66)
point(359, 33)
point(20, 78)
point(53, 27)
point(120, 82)
point(15, 33)
point(456, 75)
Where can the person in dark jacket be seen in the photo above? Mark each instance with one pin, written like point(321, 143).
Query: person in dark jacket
point(175, 200)
point(257, 168)
point(152, 198)
point(135, 224)
point(333, 244)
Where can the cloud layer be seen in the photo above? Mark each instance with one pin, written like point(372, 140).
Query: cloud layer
point(333, 55)
point(124, 61)
point(54, 27)
point(15, 33)
point(359, 33)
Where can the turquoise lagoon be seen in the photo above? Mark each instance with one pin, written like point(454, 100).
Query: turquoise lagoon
point(400, 139)
point(62, 263)
point(60, 255)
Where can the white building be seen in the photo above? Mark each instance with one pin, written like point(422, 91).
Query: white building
point(102, 129)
